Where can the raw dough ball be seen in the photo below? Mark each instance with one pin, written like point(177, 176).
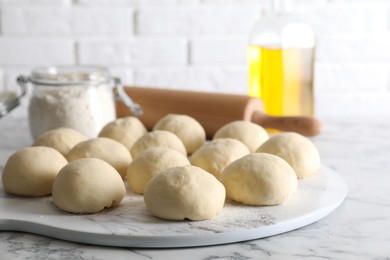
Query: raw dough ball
point(159, 138)
point(214, 156)
point(62, 139)
point(297, 150)
point(126, 130)
point(88, 185)
point(106, 149)
point(259, 179)
point(251, 134)
point(31, 171)
point(190, 131)
point(149, 163)
point(184, 192)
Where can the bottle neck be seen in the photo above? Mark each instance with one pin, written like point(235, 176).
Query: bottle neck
point(280, 6)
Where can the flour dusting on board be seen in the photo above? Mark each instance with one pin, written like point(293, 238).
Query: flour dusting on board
point(235, 216)
point(131, 224)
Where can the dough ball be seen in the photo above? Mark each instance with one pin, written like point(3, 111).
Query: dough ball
point(87, 185)
point(62, 139)
point(259, 179)
point(31, 171)
point(106, 149)
point(251, 134)
point(214, 156)
point(149, 163)
point(189, 130)
point(184, 192)
point(159, 138)
point(126, 130)
point(297, 150)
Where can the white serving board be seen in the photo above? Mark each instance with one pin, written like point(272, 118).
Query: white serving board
point(131, 225)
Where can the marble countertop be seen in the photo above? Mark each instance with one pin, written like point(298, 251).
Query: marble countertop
point(359, 150)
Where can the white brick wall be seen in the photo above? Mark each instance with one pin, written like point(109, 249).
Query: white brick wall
point(134, 51)
point(200, 44)
point(196, 19)
point(203, 78)
point(66, 21)
point(21, 51)
point(218, 50)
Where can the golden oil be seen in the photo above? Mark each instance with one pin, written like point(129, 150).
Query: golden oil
point(283, 79)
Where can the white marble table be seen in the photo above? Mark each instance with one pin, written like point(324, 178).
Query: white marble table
point(358, 149)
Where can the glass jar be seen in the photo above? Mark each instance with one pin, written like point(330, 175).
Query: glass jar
point(281, 62)
point(78, 97)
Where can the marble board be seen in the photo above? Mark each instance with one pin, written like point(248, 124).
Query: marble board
point(131, 225)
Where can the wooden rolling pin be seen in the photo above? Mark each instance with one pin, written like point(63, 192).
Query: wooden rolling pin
point(212, 110)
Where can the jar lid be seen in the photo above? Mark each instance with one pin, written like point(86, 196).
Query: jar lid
point(65, 75)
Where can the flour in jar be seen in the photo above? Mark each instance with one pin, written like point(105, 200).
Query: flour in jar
point(84, 108)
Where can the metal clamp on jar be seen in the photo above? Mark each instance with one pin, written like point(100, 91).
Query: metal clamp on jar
point(78, 97)
point(10, 100)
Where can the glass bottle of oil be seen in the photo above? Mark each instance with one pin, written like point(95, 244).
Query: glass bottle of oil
point(281, 59)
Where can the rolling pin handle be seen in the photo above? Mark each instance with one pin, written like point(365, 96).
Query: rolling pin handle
point(306, 126)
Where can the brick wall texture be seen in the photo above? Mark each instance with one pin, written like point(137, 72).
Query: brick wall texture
point(200, 44)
